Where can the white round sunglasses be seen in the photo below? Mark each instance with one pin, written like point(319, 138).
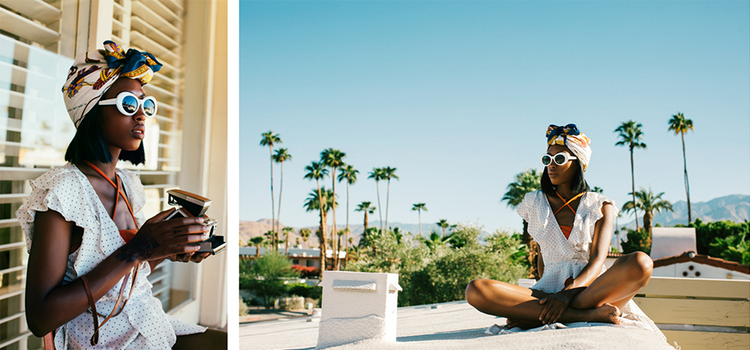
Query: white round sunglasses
point(128, 104)
point(559, 159)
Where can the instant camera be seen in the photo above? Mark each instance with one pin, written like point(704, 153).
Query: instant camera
point(192, 205)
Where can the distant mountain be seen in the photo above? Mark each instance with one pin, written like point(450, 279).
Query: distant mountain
point(735, 207)
point(250, 229)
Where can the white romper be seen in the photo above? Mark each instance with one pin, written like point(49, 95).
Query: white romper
point(143, 324)
point(564, 258)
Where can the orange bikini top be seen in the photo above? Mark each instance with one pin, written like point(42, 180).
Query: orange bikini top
point(126, 235)
point(567, 229)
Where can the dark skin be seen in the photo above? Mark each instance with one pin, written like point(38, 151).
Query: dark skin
point(155, 241)
point(587, 296)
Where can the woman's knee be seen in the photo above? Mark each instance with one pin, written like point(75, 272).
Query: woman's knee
point(641, 265)
point(475, 292)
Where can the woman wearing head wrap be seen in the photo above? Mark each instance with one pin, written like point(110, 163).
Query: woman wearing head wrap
point(573, 228)
point(90, 246)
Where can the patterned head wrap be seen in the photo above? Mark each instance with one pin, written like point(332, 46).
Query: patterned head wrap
point(94, 72)
point(569, 136)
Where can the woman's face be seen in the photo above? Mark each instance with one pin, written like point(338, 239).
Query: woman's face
point(560, 174)
point(122, 131)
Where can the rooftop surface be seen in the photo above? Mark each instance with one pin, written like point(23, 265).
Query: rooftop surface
point(453, 325)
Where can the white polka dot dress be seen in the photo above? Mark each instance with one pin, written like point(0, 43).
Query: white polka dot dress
point(143, 323)
point(566, 258)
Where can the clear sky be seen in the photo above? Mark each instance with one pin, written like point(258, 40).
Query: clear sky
point(457, 96)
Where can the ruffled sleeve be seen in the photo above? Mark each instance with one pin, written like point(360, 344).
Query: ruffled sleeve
point(58, 190)
point(524, 209)
point(593, 203)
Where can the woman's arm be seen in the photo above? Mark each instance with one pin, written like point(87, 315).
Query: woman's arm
point(49, 304)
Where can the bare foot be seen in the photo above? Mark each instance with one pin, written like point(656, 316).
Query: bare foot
point(606, 313)
point(523, 324)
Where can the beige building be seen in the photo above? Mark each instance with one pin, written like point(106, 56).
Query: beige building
point(38, 40)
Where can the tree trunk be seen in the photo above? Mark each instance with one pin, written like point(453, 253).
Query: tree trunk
point(443, 232)
point(647, 217)
point(257, 251)
point(273, 214)
point(347, 216)
point(687, 183)
point(420, 221)
point(322, 238)
point(366, 221)
point(387, 202)
point(281, 189)
point(380, 212)
point(632, 177)
point(286, 250)
point(334, 236)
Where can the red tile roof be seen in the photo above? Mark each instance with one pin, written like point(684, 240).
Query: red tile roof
point(702, 259)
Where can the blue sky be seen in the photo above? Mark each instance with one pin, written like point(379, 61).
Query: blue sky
point(457, 96)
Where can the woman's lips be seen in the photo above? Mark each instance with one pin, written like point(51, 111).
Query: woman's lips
point(139, 131)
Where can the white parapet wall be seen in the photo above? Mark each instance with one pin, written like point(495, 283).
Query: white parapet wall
point(358, 306)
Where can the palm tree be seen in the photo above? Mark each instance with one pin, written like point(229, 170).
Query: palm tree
point(648, 203)
point(419, 207)
point(269, 139)
point(349, 174)
point(316, 171)
point(365, 207)
point(389, 173)
point(680, 125)
point(305, 234)
point(333, 159)
point(378, 174)
point(256, 241)
point(322, 204)
point(270, 238)
point(287, 231)
point(597, 189)
point(435, 240)
point(444, 225)
point(527, 181)
point(280, 157)
point(630, 134)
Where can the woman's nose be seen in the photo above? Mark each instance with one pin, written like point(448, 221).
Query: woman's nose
point(139, 114)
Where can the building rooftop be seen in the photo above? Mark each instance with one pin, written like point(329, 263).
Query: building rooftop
point(453, 325)
point(702, 259)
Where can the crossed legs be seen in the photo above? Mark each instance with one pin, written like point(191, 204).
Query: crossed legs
point(599, 302)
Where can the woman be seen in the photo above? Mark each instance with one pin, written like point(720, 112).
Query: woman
point(90, 250)
point(573, 228)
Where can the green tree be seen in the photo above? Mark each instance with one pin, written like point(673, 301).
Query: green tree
point(390, 173)
point(270, 237)
point(265, 276)
point(349, 174)
point(333, 159)
point(281, 156)
point(366, 208)
point(418, 207)
point(444, 225)
point(313, 203)
point(317, 171)
point(305, 234)
point(681, 125)
point(597, 189)
point(527, 181)
point(435, 241)
point(648, 202)
point(638, 240)
point(630, 134)
point(269, 139)
point(378, 174)
point(256, 241)
point(287, 231)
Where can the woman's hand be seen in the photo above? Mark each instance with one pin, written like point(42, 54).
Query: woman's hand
point(554, 306)
point(194, 257)
point(159, 239)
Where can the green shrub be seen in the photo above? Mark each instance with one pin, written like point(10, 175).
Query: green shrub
point(304, 290)
point(638, 240)
point(707, 232)
point(264, 276)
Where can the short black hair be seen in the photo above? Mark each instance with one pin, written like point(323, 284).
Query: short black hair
point(88, 144)
point(578, 185)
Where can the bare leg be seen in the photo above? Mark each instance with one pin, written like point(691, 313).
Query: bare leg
point(518, 303)
point(211, 339)
point(618, 285)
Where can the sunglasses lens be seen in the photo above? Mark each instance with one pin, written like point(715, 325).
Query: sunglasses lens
point(546, 159)
point(560, 159)
point(129, 104)
point(149, 107)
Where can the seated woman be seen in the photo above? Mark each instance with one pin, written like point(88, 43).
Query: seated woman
point(90, 245)
point(573, 228)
